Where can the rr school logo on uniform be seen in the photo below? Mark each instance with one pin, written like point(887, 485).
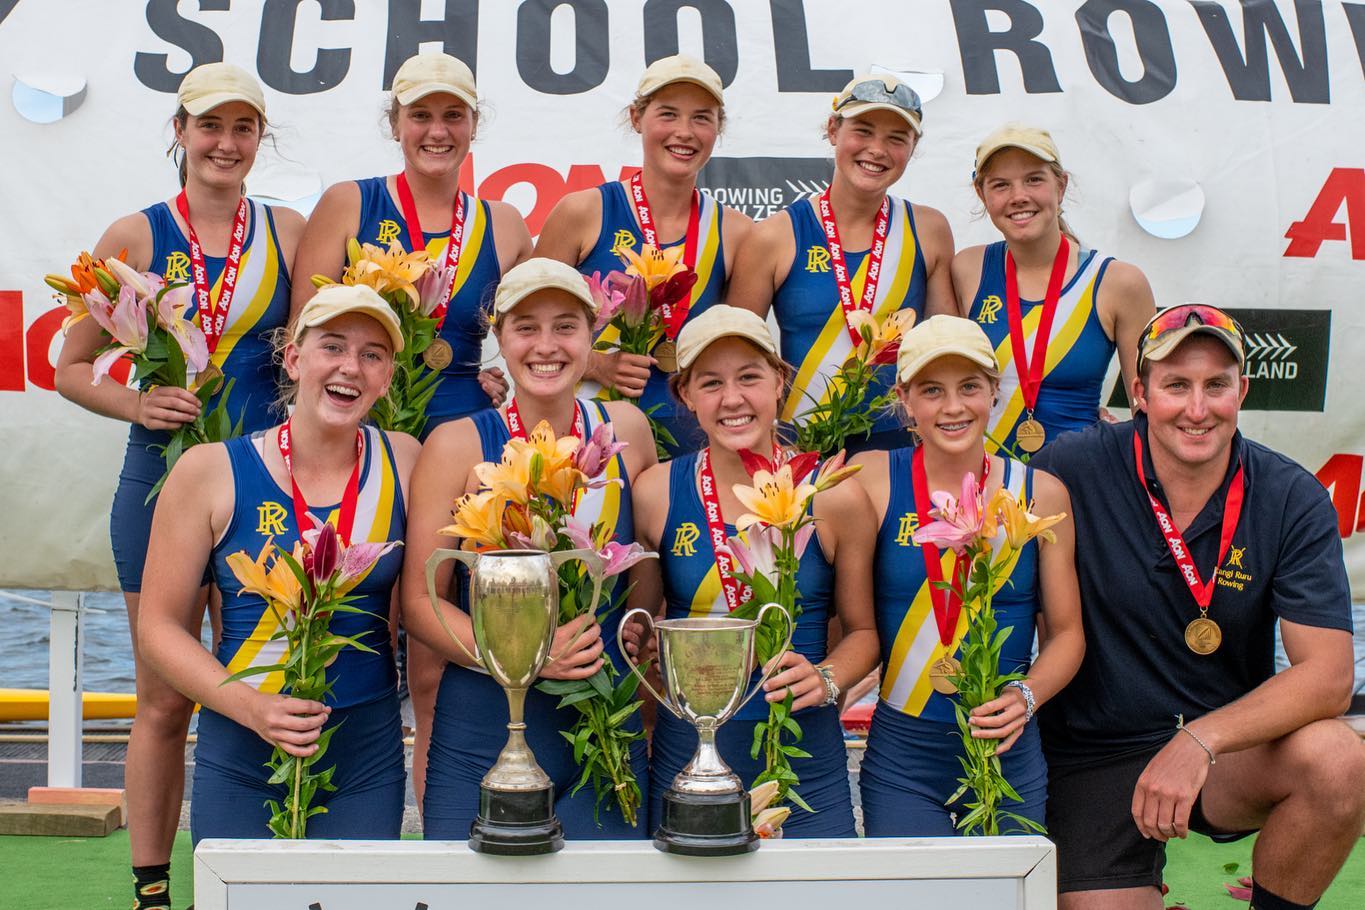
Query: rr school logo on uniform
point(388, 231)
point(685, 539)
point(990, 309)
point(758, 187)
point(272, 515)
point(623, 241)
point(1234, 574)
point(177, 267)
point(817, 258)
point(905, 531)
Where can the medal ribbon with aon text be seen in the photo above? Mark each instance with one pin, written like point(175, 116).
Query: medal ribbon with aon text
point(836, 258)
point(213, 313)
point(1030, 434)
point(674, 316)
point(1202, 635)
point(346, 514)
point(736, 593)
point(439, 353)
point(946, 602)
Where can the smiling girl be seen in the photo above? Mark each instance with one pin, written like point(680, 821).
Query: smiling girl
point(678, 111)
point(218, 128)
point(732, 380)
point(1053, 309)
point(947, 378)
point(822, 257)
point(542, 317)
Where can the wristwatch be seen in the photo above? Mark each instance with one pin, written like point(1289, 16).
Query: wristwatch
point(1028, 697)
point(831, 687)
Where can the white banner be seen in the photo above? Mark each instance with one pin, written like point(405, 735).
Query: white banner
point(1233, 129)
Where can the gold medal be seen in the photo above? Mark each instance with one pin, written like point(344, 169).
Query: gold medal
point(666, 355)
point(940, 672)
point(1030, 435)
point(1203, 636)
point(438, 356)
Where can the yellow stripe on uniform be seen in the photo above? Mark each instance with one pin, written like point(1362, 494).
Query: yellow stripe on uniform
point(475, 228)
point(264, 270)
point(709, 598)
point(833, 345)
point(1011, 407)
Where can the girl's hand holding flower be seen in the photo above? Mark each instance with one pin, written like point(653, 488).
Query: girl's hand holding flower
point(1003, 718)
point(292, 724)
point(800, 676)
point(576, 651)
point(166, 407)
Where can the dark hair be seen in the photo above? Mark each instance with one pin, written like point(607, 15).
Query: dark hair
point(181, 118)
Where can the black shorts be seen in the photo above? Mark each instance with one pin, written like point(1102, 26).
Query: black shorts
point(1090, 818)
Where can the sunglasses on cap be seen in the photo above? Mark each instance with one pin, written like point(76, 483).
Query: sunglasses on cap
point(874, 91)
point(1180, 317)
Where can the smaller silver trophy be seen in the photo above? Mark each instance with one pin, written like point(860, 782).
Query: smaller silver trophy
point(514, 607)
point(705, 665)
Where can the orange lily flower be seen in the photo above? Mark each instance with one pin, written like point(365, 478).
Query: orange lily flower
point(478, 519)
point(773, 499)
point(1005, 512)
point(654, 265)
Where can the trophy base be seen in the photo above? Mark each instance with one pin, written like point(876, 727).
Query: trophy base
point(705, 824)
point(516, 823)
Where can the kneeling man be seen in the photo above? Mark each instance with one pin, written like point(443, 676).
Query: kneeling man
point(1191, 542)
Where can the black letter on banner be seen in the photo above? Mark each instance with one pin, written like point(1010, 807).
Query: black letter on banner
point(1355, 14)
point(202, 42)
point(1153, 41)
point(977, 44)
point(719, 39)
point(791, 47)
point(590, 58)
point(1249, 78)
point(278, 19)
point(458, 33)
point(7, 7)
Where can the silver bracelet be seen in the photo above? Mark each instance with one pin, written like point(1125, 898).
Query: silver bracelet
point(1028, 697)
point(831, 687)
point(1180, 725)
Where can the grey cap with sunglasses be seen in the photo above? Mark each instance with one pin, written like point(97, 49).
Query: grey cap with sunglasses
point(881, 93)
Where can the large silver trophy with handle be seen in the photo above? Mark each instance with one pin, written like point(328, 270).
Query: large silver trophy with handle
point(705, 665)
point(514, 608)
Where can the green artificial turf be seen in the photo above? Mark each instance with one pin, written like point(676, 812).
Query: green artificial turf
point(60, 873)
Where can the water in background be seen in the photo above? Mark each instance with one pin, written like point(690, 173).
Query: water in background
point(109, 664)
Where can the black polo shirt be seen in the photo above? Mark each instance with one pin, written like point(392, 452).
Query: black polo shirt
point(1285, 561)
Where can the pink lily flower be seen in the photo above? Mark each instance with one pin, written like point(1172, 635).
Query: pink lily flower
point(432, 288)
point(144, 284)
point(579, 533)
point(170, 313)
point(321, 559)
point(593, 456)
point(608, 299)
point(100, 308)
point(801, 539)
point(542, 536)
point(357, 559)
point(755, 555)
point(635, 297)
point(618, 557)
point(128, 326)
point(957, 522)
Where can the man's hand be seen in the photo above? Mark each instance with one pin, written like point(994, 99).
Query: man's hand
point(1168, 787)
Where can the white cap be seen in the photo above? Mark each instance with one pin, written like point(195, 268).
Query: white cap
point(722, 321)
point(679, 68)
point(339, 299)
point(881, 92)
point(1036, 142)
point(942, 336)
point(540, 274)
point(206, 87)
point(427, 74)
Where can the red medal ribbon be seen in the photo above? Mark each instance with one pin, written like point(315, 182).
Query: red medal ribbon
point(1031, 371)
point(673, 317)
point(419, 240)
point(736, 593)
point(836, 256)
point(302, 518)
point(517, 427)
point(1175, 541)
point(947, 603)
point(213, 314)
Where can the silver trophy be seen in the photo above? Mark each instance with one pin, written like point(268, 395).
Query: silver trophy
point(705, 665)
point(514, 607)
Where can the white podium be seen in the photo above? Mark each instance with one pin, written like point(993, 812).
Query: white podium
point(993, 872)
